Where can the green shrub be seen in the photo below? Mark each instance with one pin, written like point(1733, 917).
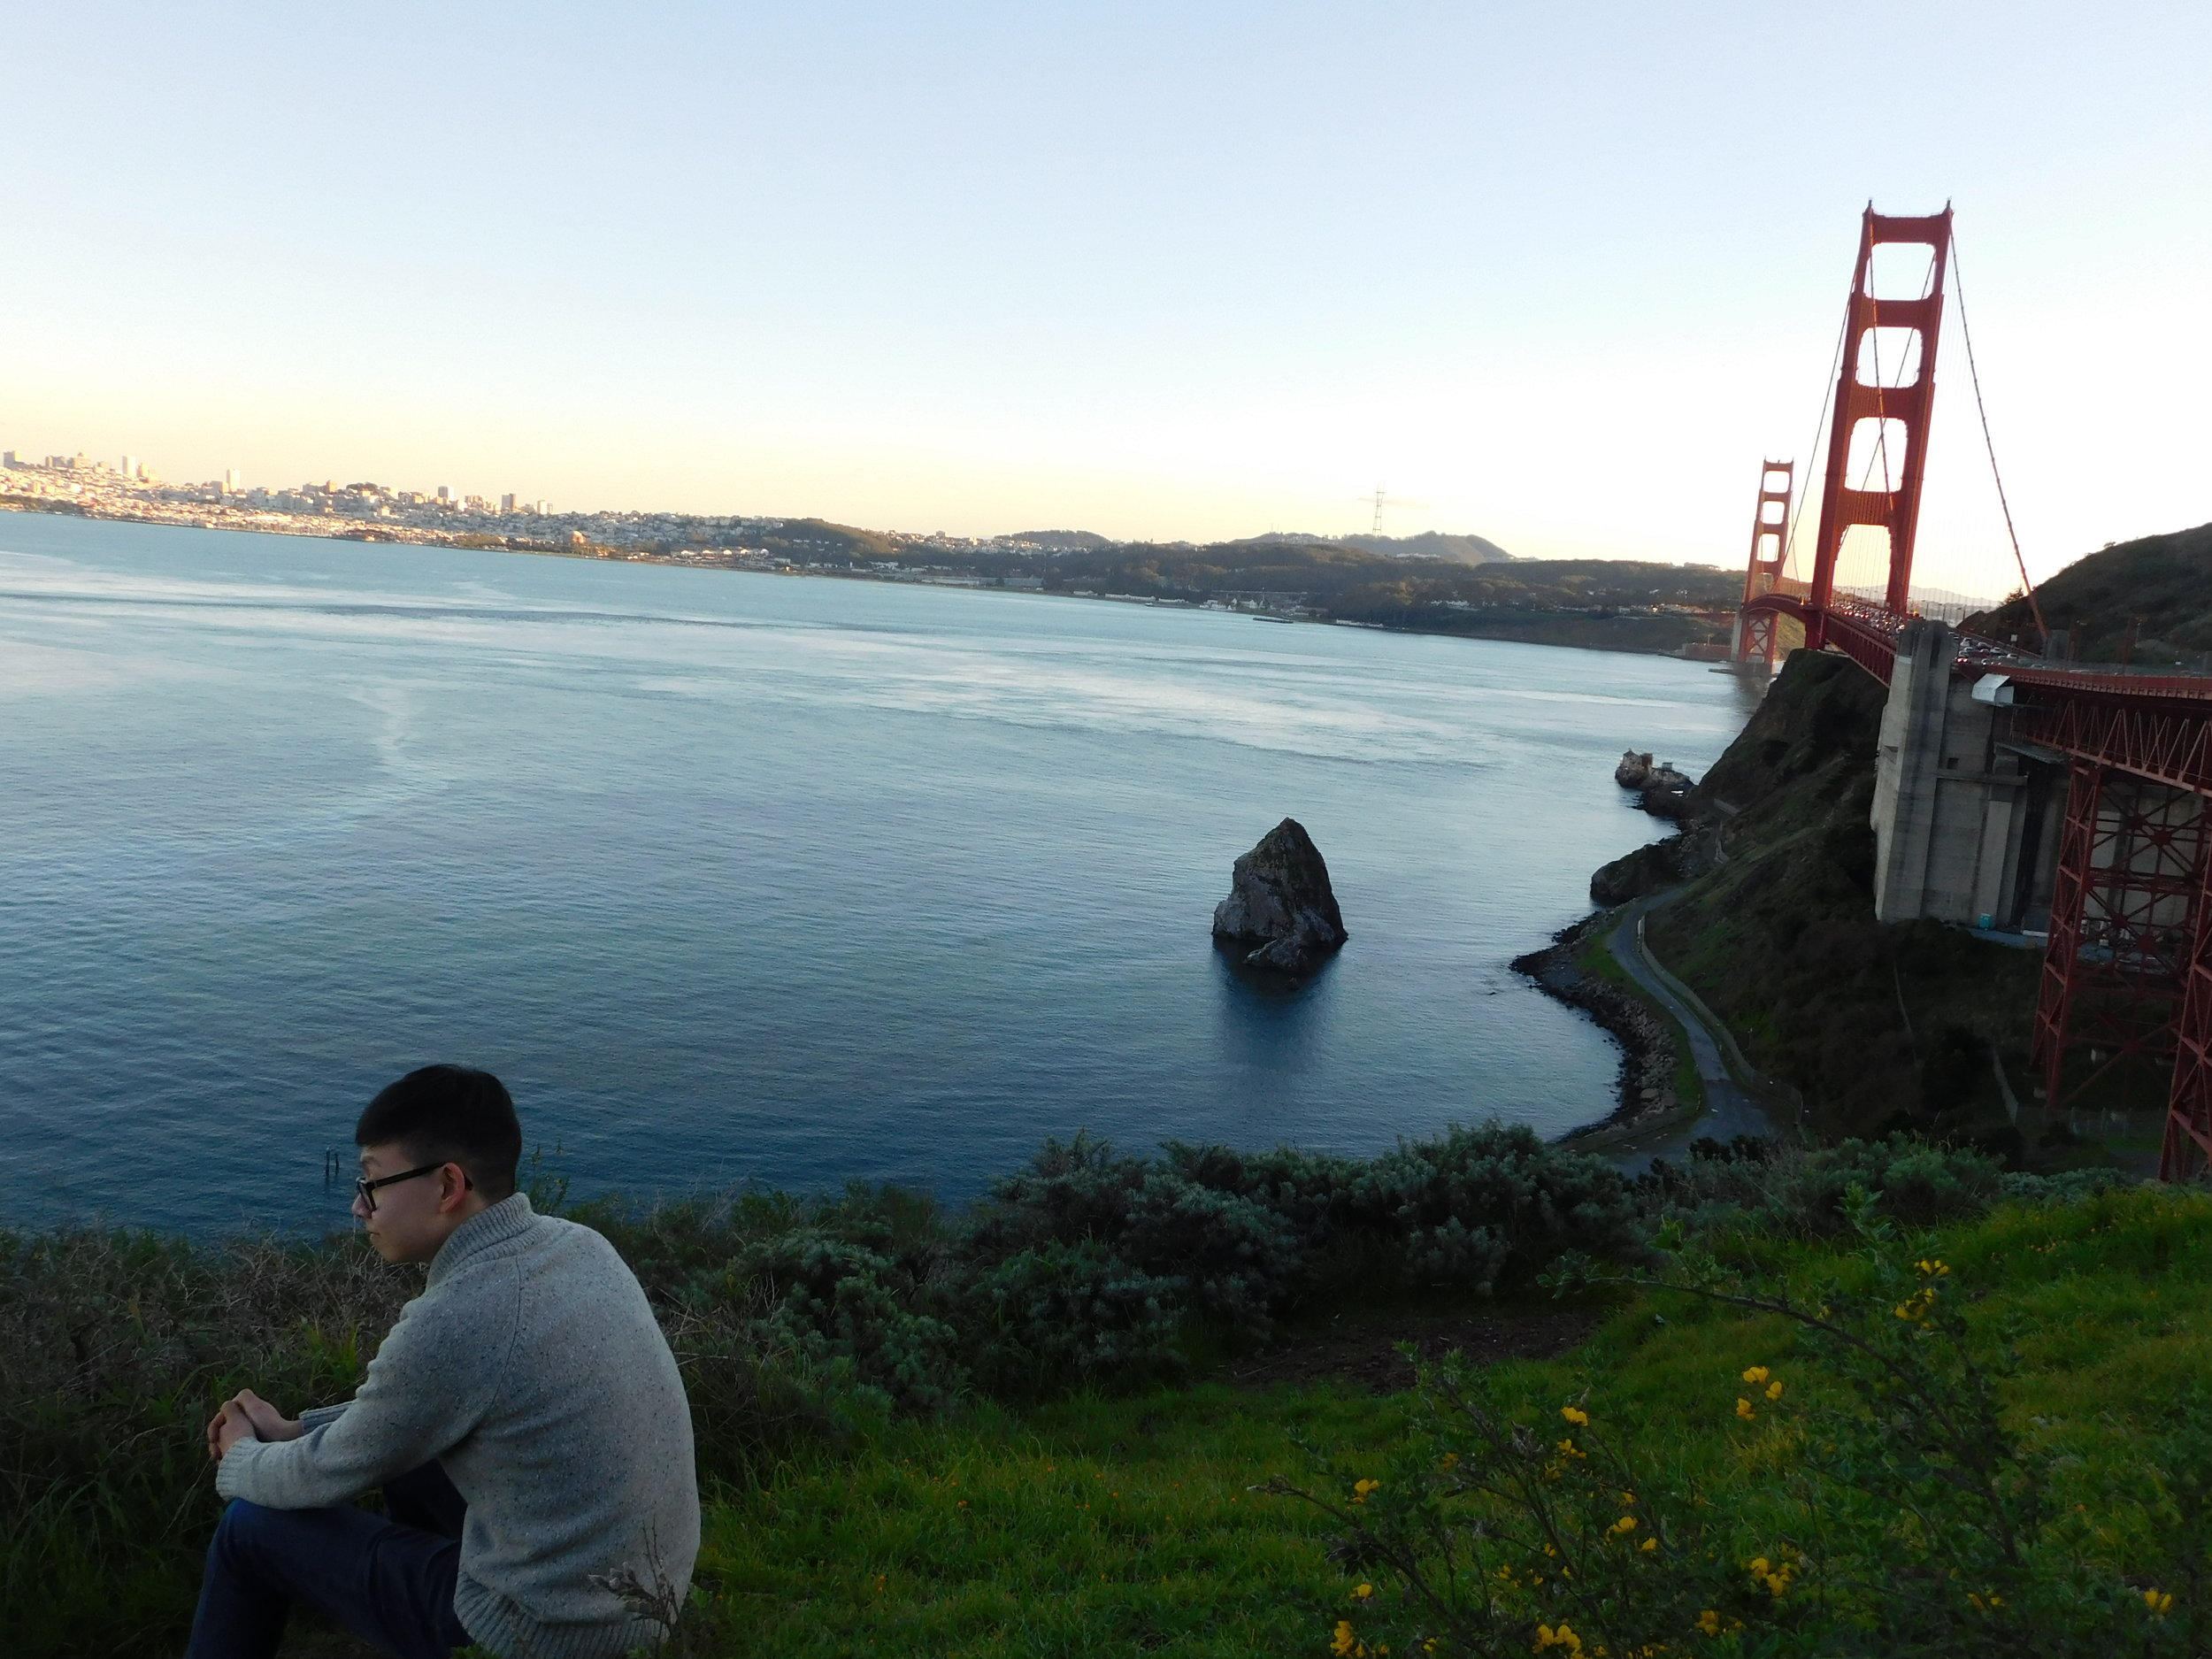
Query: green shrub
point(1060, 1315)
point(1216, 1253)
point(1480, 1208)
point(853, 1315)
point(1801, 1191)
point(1247, 1235)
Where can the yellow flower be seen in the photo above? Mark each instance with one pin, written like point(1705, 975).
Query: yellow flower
point(2159, 1604)
point(1933, 1270)
point(1364, 1592)
point(1755, 1374)
point(1648, 1545)
point(1561, 1636)
point(1708, 1621)
point(1576, 1415)
point(1344, 1639)
point(1627, 1524)
point(1451, 1460)
point(1360, 1489)
point(1776, 1579)
point(1774, 1391)
point(1744, 1410)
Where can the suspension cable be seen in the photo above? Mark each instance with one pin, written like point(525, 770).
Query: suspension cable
point(2035, 608)
point(1827, 394)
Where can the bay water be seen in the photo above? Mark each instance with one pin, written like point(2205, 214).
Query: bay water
point(746, 878)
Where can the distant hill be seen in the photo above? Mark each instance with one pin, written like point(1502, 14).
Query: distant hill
point(1430, 544)
point(2164, 580)
point(1070, 541)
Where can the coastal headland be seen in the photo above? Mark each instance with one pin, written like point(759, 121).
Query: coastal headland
point(1428, 583)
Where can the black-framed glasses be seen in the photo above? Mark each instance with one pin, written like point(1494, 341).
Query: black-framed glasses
point(365, 1189)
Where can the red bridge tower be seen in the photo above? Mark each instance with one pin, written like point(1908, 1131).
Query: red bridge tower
point(1755, 630)
point(1886, 426)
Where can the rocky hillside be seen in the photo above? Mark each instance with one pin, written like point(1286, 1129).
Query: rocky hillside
point(1878, 1027)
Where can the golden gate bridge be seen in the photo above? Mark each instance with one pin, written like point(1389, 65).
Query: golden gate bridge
point(2011, 787)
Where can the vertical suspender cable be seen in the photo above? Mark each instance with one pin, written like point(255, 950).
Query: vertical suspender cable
point(1958, 283)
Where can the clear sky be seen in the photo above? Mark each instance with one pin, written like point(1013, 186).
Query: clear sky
point(1561, 274)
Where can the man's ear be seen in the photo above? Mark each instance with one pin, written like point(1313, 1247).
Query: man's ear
point(453, 1187)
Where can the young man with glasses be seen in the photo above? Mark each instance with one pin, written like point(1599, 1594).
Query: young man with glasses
point(524, 1417)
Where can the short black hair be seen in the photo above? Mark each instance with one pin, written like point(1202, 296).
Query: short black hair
point(450, 1114)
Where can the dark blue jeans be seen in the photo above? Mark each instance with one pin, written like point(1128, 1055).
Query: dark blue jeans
point(388, 1578)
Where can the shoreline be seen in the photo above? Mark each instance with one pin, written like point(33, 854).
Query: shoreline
point(412, 535)
point(1646, 1097)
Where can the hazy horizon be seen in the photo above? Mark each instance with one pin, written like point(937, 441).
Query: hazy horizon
point(1165, 274)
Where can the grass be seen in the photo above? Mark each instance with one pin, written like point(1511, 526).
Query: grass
point(1112, 1526)
point(1090, 1526)
point(1096, 1525)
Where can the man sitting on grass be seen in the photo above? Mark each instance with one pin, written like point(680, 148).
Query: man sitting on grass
point(524, 1417)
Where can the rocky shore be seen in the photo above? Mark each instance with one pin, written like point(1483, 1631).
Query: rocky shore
point(1649, 1053)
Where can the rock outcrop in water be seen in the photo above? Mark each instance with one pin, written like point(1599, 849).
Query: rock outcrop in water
point(1662, 791)
point(1281, 913)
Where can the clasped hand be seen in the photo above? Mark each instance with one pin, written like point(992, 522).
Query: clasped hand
point(245, 1414)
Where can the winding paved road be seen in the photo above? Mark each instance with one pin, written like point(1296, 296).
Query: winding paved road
point(1729, 1109)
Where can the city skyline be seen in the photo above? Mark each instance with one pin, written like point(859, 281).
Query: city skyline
point(1156, 273)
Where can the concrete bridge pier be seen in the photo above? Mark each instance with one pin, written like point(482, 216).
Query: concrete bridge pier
point(1965, 819)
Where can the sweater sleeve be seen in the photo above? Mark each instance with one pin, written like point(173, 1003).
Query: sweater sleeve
point(425, 1391)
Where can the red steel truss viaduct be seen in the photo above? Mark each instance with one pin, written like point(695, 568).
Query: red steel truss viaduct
point(2003, 776)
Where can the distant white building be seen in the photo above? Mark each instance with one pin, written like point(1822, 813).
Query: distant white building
point(130, 466)
point(230, 481)
point(507, 502)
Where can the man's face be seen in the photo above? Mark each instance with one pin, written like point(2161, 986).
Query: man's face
point(410, 1219)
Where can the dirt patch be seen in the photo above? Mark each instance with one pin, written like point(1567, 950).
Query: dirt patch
point(1364, 1352)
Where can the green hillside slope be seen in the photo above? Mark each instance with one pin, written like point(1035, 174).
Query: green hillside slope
point(2160, 584)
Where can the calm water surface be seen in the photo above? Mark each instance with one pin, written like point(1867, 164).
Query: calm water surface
point(745, 877)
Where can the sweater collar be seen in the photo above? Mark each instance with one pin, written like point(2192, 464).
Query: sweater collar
point(508, 1218)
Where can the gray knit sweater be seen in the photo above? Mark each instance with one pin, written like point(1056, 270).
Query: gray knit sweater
point(531, 1368)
